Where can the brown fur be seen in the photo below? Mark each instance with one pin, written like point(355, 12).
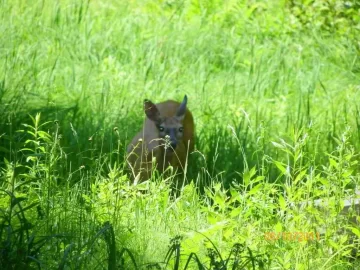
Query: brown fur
point(146, 144)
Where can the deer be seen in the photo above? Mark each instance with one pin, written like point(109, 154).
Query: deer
point(166, 139)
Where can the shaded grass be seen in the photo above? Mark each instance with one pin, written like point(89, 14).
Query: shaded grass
point(144, 222)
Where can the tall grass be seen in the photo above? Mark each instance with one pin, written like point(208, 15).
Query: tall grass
point(274, 93)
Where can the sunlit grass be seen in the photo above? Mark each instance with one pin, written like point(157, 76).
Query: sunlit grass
point(276, 108)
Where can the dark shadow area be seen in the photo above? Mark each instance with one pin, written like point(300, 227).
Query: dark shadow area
point(82, 140)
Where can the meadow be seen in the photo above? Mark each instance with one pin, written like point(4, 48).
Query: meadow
point(274, 88)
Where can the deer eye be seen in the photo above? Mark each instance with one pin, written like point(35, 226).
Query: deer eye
point(181, 129)
point(161, 129)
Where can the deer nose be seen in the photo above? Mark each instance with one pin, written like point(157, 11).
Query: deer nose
point(173, 145)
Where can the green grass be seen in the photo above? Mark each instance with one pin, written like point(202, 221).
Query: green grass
point(274, 90)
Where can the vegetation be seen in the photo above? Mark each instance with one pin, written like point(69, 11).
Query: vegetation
point(274, 90)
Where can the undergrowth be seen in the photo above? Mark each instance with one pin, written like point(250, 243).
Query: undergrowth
point(273, 87)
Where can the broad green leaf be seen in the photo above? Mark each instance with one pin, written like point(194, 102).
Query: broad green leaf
point(255, 189)
point(282, 202)
point(299, 176)
point(278, 227)
point(281, 167)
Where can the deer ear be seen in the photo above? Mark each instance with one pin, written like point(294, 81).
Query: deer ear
point(180, 113)
point(151, 111)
